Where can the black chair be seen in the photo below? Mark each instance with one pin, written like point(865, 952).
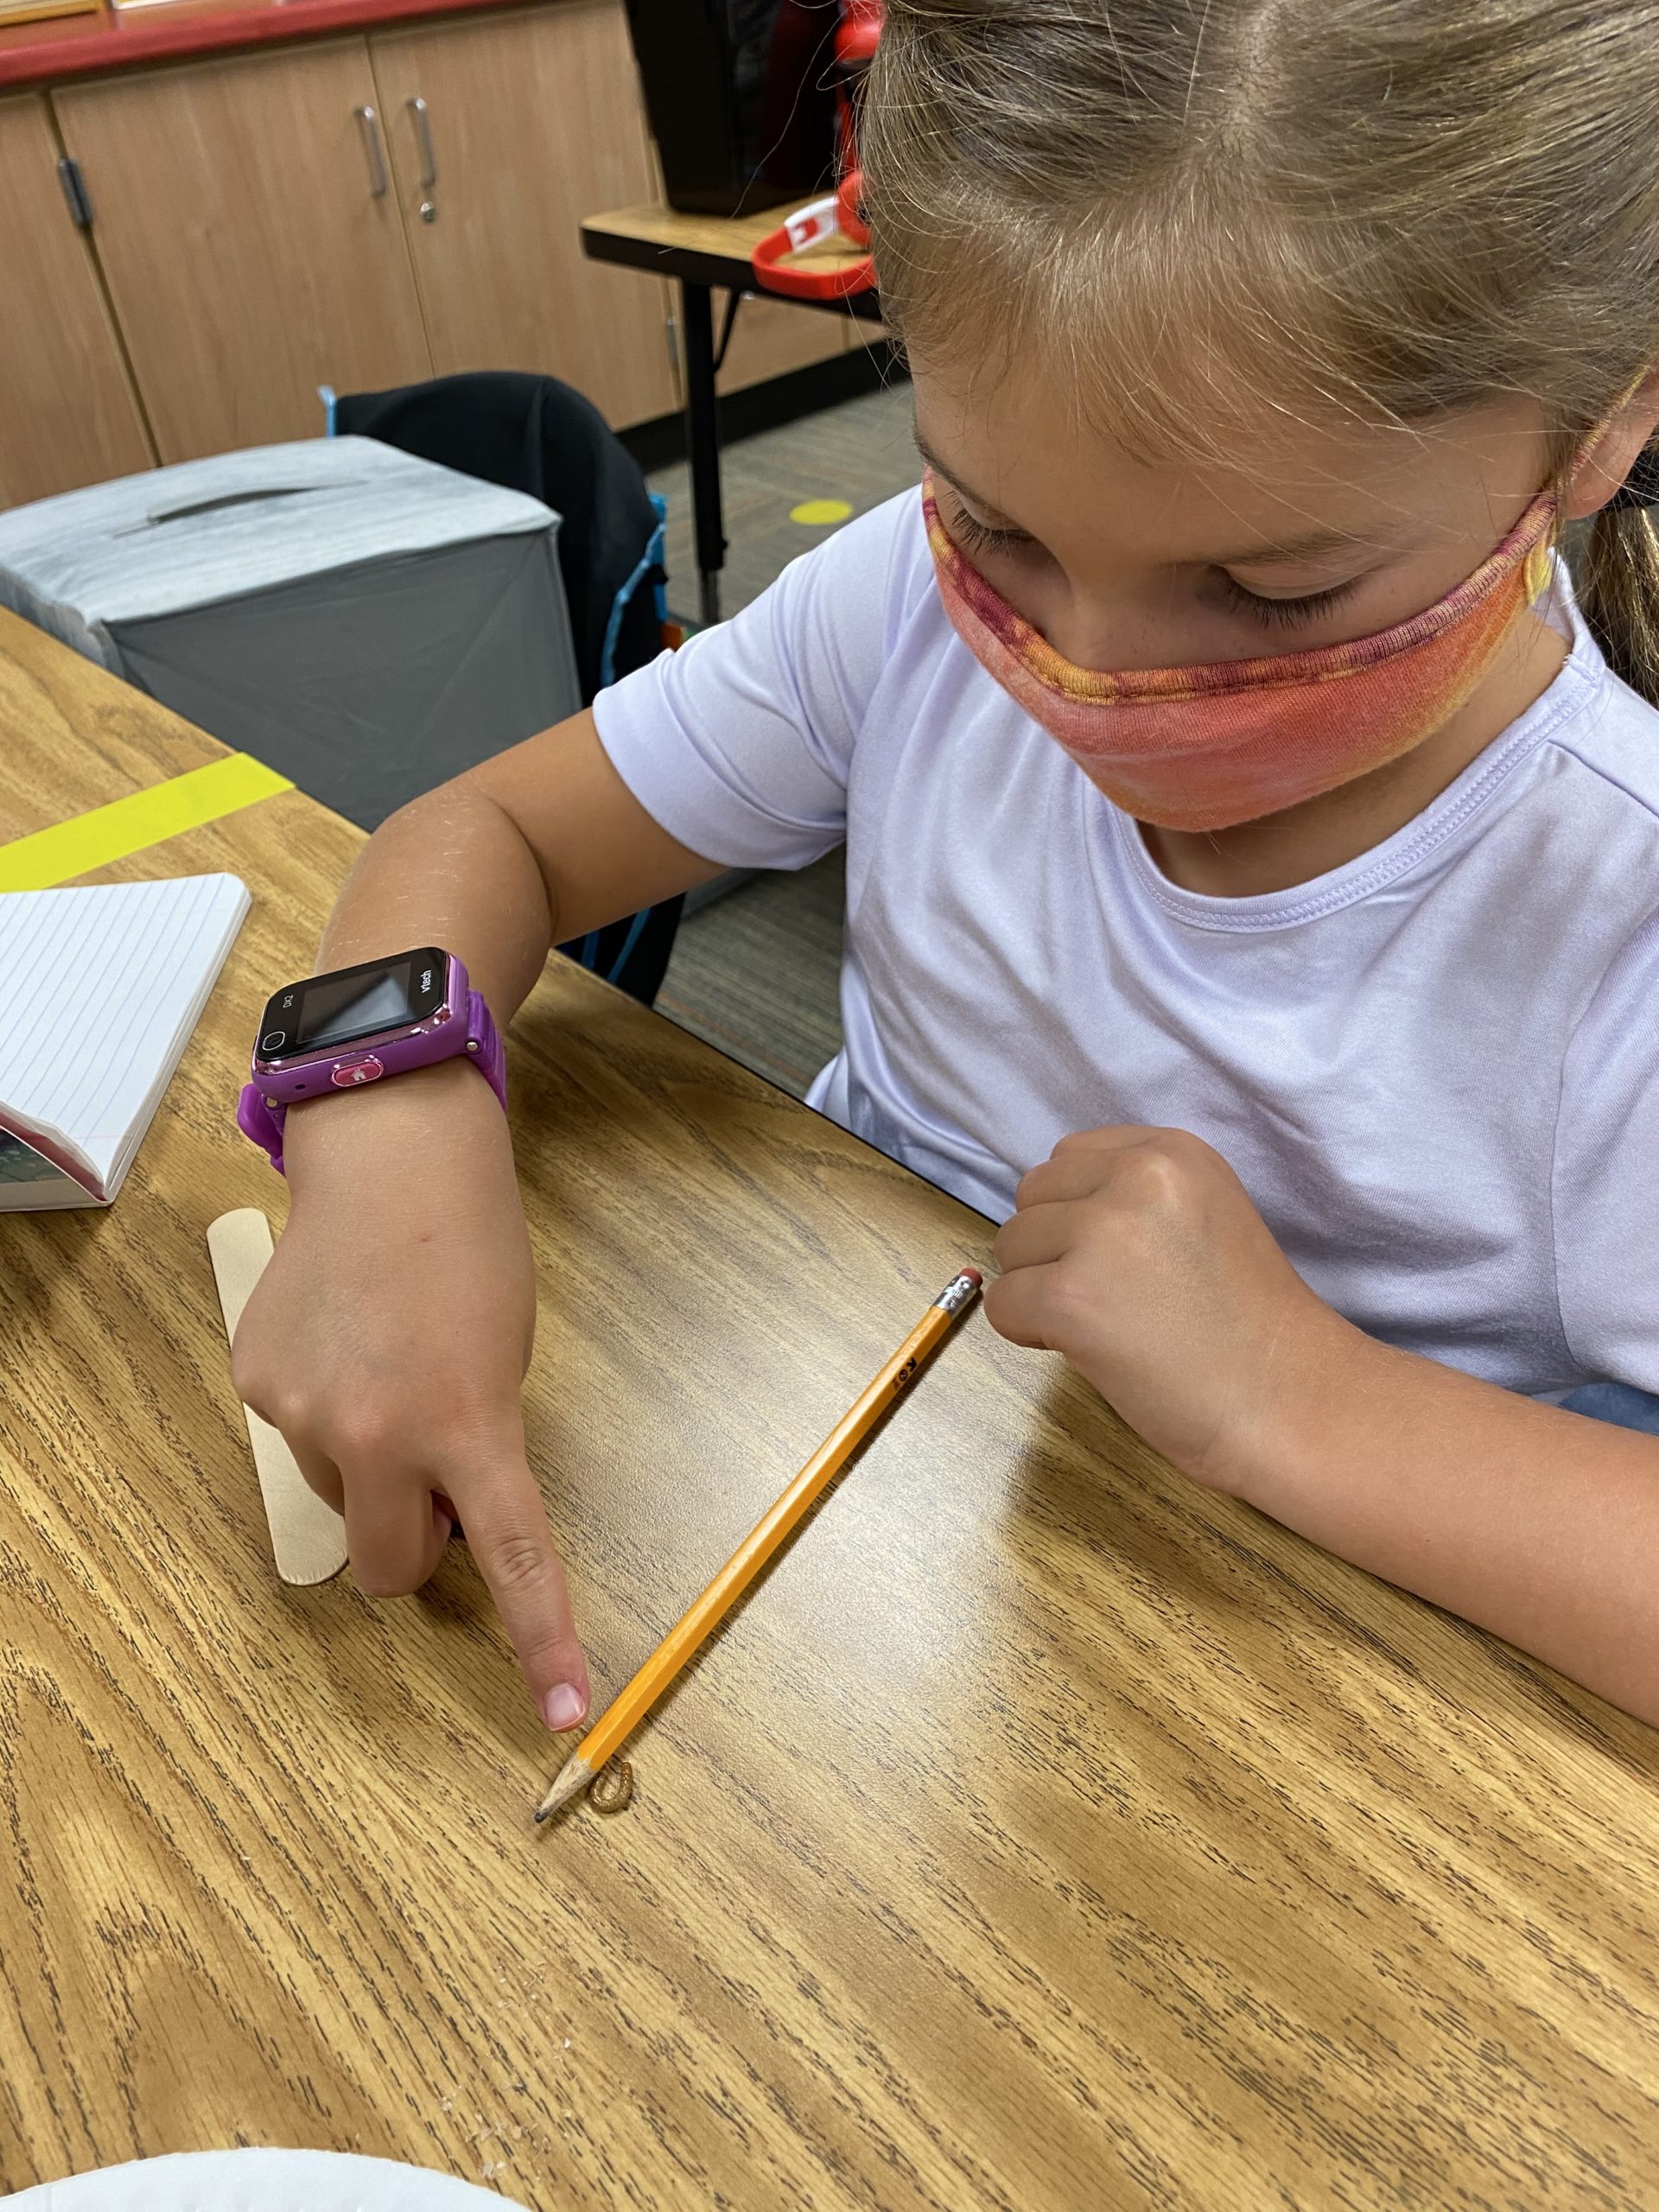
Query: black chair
point(533, 433)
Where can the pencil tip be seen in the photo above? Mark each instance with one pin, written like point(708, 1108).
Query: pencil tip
point(570, 1781)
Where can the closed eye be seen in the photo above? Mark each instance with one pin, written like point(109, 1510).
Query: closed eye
point(973, 537)
point(976, 537)
point(1284, 614)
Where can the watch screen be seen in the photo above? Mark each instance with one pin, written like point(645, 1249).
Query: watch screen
point(353, 1003)
point(339, 1007)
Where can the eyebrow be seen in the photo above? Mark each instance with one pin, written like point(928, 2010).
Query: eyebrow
point(1287, 551)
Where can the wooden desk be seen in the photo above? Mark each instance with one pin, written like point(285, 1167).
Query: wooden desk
point(704, 254)
point(1045, 1835)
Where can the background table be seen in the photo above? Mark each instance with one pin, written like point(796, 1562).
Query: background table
point(704, 254)
point(1044, 1835)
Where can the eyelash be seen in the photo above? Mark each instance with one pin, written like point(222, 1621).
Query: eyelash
point(976, 537)
point(1285, 613)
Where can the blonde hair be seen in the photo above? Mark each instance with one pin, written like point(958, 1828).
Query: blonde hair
point(1387, 208)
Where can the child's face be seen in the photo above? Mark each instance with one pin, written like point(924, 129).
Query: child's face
point(1313, 537)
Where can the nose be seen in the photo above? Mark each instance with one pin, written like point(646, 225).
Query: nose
point(1104, 627)
point(1082, 641)
point(1090, 632)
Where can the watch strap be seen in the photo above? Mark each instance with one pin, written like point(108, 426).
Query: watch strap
point(261, 1117)
point(262, 1122)
point(484, 1045)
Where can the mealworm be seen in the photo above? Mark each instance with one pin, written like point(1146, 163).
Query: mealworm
point(611, 1789)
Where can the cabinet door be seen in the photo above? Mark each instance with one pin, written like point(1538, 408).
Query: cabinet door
point(531, 120)
point(244, 218)
point(67, 414)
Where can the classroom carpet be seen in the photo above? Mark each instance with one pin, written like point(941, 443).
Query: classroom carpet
point(853, 456)
point(755, 971)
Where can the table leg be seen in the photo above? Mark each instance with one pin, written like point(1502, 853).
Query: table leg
point(703, 444)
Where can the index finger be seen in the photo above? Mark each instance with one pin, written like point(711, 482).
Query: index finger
point(508, 1532)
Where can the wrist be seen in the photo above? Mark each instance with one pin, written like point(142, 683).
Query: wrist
point(339, 1032)
point(1318, 1372)
point(424, 1118)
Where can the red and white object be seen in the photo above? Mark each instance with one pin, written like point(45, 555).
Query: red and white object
point(835, 214)
point(856, 38)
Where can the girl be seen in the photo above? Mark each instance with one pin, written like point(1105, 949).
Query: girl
point(1253, 851)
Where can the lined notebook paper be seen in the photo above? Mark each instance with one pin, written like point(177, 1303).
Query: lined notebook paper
point(99, 990)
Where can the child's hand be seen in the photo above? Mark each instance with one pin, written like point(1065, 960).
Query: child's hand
point(1138, 1255)
point(388, 1340)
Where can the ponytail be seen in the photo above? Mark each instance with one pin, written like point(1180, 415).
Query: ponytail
point(1617, 584)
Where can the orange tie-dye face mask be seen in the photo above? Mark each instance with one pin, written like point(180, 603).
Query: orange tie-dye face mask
point(1205, 747)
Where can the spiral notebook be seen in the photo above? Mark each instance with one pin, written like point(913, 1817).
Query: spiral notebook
point(100, 989)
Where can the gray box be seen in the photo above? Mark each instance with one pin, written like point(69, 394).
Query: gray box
point(367, 623)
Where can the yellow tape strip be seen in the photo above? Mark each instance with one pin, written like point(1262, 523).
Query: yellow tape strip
point(128, 825)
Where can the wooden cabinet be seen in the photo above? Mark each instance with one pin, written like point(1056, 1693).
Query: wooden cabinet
point(770, 337)
point(67, 414)
point(359, 211)
point(272, 222)
point(253, 245)
point(506, 131)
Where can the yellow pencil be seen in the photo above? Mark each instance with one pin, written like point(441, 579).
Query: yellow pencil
point(624, 1714)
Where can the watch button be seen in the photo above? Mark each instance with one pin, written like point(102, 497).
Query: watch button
point(273, 1040)
point(352, 1072)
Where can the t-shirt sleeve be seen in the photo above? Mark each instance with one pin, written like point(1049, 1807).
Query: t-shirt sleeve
point(1606, 1178)
point(741, 744)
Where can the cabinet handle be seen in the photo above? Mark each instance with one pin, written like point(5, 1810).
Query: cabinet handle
point(421, 115)
point(369, 123)
point(75, 192)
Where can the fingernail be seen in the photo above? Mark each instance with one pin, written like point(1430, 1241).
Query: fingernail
point(563, 1705)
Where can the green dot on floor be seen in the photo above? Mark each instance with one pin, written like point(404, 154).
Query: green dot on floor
point(817, 511)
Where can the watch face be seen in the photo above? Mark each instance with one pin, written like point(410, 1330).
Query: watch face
point(352, 1003)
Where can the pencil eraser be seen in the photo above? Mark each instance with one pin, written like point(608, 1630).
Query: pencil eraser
point(975, 1277)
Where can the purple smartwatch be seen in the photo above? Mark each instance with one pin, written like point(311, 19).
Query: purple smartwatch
point(355, 1025)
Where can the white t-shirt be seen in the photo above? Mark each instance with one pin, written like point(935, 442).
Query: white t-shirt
point(1433, 1069)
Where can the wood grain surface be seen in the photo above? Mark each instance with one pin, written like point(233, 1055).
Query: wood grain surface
point(73, 738)
point(652, 235)
point(68, 412)
point(121, 37)
point(1042, 1834)
point(534, 115)
point(247, 256)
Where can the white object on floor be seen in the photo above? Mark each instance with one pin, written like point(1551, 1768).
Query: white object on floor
point(308, 1537)
point(100, 987)
point(258, 2181)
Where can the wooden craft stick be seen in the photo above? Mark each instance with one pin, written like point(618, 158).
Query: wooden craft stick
point(308, 1537)
point(680, 1646)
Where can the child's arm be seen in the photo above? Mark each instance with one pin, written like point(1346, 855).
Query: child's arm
point(389, 1337)
point(538, 845)
point(1138, 1255)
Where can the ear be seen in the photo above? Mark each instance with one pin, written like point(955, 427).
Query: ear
point(1608, 459)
